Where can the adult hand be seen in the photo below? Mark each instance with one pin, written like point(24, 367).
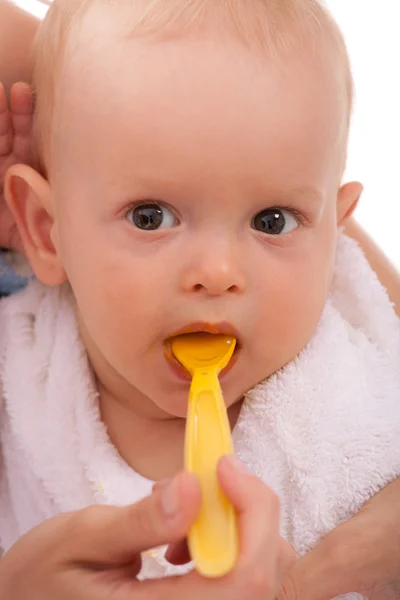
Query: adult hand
point(94, 554)
point(15, 131)
point(361, 555)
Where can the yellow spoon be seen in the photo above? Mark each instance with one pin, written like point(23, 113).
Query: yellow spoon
point(212, 541)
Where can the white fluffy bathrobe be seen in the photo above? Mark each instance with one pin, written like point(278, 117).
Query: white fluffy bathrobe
point(323, 433)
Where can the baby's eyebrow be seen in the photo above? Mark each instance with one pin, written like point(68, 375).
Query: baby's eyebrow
point(307, 193)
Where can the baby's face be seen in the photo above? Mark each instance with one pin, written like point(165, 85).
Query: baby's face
point(195, 183)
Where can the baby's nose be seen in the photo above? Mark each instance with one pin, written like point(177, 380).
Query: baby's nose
point(214, 275)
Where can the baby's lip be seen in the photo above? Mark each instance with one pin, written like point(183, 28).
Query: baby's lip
point(223, 328)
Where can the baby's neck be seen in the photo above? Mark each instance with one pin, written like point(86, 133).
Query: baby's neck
point(152, 447)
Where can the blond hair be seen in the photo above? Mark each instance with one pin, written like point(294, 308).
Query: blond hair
point(275, 26)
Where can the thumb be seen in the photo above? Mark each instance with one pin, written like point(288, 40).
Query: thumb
point(112, 536)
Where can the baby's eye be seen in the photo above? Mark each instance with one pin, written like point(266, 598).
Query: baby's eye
point(150, 217)
point(274, 221)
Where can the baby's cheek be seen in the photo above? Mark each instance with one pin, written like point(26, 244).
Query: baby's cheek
point(288, 319)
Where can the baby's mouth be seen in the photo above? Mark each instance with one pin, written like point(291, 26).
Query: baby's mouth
point(201, 328)
point(173, 361)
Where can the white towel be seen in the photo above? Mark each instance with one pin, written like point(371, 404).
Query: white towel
point(324, 432)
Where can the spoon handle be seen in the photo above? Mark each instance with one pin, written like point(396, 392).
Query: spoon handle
point(213, 540)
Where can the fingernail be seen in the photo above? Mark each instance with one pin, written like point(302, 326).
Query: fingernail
point(236, 464)
point(170, 498)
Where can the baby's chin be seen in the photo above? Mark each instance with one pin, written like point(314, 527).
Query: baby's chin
point(176, 405)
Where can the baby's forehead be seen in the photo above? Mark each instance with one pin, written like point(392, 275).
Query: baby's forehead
point(96, 46)
point(104, 62)
point(105, 47)
point(134, 104)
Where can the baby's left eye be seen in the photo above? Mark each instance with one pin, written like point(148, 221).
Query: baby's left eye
point(274, 221)
point(149, 217)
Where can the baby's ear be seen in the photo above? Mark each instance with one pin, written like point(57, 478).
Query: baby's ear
point(29, 198)
point(347, 200)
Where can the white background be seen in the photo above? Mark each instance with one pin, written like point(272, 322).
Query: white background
point(372, 32)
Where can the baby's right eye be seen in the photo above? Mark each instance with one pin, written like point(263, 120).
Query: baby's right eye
point(151, 216)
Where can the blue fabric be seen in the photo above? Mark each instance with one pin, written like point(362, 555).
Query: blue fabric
point(10, 281)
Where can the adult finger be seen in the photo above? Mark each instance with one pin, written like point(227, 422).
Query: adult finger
point(178, 553)
point(257, 508)
point(112, 536)
point(160, 485)
point(21, 111)
point(6, 133)
point(264, 557)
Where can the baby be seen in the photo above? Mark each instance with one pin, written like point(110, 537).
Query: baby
point(189, 158)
